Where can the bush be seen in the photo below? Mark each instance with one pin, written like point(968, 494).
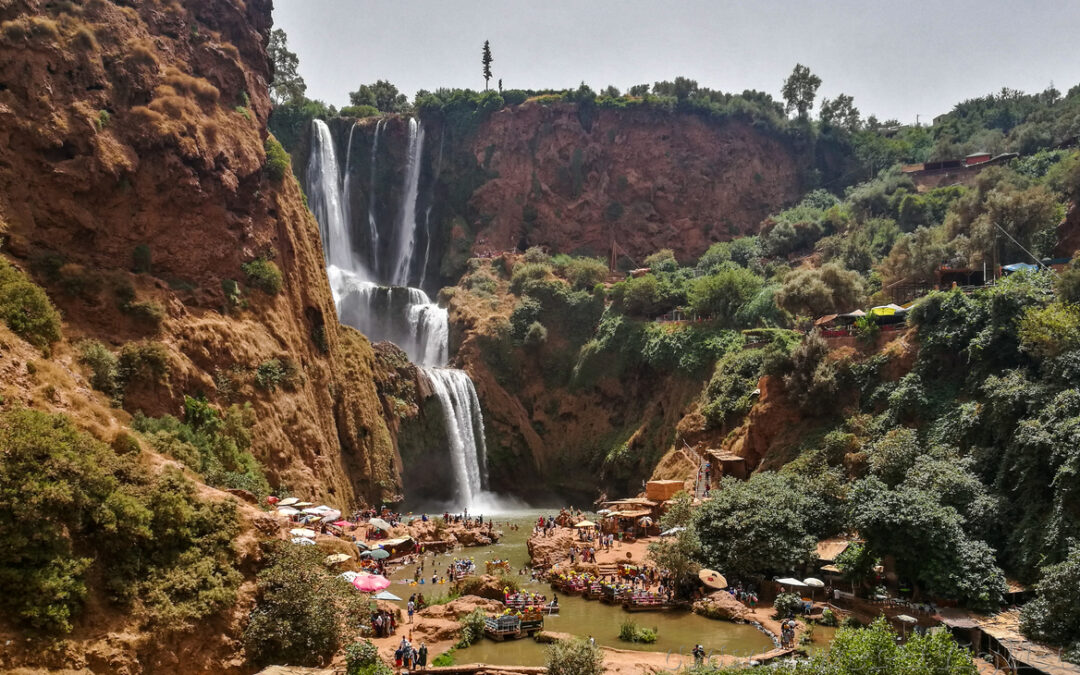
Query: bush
point(277, 160)
point(144, 361)
point(584, 273)
point(472, 628)
point(26, 309)
point(1054, 615)
point(525, 272)
point(536, 335)
point(360, 655)
point(264, 275)
point(103, 365)
point(147, 312)
point(303, 612)
point(274, 373)
point(787, 604)
point(828, 618)
point(577, 656)
point(629, 631)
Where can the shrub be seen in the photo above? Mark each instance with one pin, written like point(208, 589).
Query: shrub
point(264, 275)
point(360, 655)
point(103, 365)
point(787, 604)
point(1054, 615)
point(277, 160)
point(144, 361)
point(584, 273)
point(577, 656)
point(26, 309)
point(536, 335)
point(148, 312)
point(629, 631)
point(274, 373)
point(103, 116)
point(662, 261)
point(472, 628)
point(535, 254)
point(525, 272)
point(828, 618)
point(303, 612)
point(233, 295)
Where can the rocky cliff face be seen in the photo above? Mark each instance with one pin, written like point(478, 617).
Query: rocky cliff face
point(133, 175)
point(646, 179)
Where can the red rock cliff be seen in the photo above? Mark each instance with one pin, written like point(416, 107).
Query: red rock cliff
point(142, 128)
point(649, 179)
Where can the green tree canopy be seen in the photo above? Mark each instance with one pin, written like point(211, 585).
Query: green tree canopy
point(286, 85)
point(800, 89)
point(383, 95)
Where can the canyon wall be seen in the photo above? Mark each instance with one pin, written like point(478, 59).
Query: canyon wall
point(135, 186)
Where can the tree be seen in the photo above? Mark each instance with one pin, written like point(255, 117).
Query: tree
point(286, 84)
point(758, 526)
point(840, 112)
point(382, 95)
point(303, 612)
point(799, 90)
point(825, 290)
point(1054, 615)
point(486, 60)
point(677, 554)
point(724, 293)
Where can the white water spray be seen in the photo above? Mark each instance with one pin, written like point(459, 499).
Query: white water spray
point(324, 193)
point(373, 227)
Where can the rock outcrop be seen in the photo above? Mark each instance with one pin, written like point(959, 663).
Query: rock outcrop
point(134, 185)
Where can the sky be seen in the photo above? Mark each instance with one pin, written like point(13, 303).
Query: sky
point(899, 59)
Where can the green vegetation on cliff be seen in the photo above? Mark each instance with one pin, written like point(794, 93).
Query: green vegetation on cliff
point(77, 520)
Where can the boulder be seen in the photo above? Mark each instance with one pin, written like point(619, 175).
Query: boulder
point(721, 605)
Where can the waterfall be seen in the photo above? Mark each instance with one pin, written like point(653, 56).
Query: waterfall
point(346, 205)
point(324, 196)
point(406, 230)
point(465, 428)
point(373, 229)
point(403, 315)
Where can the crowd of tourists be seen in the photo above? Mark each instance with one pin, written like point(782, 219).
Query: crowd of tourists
point(408, 657)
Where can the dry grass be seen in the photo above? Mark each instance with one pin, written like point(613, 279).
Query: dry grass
point(142, 52)
point(196, 87)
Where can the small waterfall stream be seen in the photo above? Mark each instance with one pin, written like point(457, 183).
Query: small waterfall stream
point(397, 312)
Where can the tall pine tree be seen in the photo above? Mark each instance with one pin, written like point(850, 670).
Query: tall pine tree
point(486, 60)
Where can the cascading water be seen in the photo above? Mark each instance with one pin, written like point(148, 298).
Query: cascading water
point(406, 230)
point(465, 429)
point(373, 226)
point(324, 196)
point(403, 315)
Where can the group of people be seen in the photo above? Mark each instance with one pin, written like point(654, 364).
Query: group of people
point(407, 656)
point(787, 632)
point(383, 623)
point(747, 596)
point(584, 554)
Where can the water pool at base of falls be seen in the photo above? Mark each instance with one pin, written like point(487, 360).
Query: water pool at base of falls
point(677, 631)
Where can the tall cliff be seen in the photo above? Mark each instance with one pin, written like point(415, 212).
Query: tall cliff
point(134, 185)
point(546, 174)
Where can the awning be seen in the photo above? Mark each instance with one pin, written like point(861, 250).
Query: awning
point(630, 514)
point(394, 543)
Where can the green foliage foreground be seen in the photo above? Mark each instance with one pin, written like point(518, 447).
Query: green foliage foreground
point(860, 651)
point(73, 512)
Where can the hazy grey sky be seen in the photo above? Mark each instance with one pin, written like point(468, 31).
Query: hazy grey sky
point(897, 58)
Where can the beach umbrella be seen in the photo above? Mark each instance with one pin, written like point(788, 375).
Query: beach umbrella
point(586, 523)
point(303, 505)
point(287, 511)
point(349, 576)
point(672, 532)
point(712, 579)
point(340, 523)
point(362, 546)
point(272, 500)
point(376, 554)
point(603, 512)
point(788, 581)
point(813, 584)
point(312, 512)
point(337, 558)
point(331, 516)
point(370, 583)
point(905, 620)
point(288, 502)
point(386, 595)
point(646, 521)
point(379, 523)
point(302, 542)
point(302, 532)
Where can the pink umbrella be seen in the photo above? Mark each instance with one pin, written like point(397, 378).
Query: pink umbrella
point(341, 523)
point(371, 583)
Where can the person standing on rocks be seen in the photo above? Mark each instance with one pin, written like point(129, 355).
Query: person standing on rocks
point(421, 656)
